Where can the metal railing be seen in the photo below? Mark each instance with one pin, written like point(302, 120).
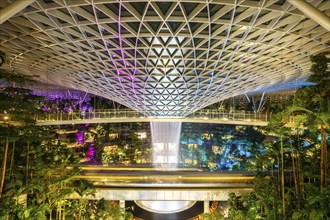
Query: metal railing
point(209, 115)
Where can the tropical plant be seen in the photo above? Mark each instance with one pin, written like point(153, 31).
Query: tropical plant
point(312, 108)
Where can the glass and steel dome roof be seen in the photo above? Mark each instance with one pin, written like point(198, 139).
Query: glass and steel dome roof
point(164, 55)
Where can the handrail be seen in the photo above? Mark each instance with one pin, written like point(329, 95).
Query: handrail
point(211, 114)
point(111, 113)
point(127, 115)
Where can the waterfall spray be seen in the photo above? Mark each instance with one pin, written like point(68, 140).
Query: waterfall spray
point(165, 144)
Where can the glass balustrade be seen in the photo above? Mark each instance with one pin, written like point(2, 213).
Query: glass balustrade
point(127, 114)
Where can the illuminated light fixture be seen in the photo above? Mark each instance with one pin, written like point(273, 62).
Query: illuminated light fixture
point(165, 61)
point(250, 43)
point(165, 207)
point(142, 135)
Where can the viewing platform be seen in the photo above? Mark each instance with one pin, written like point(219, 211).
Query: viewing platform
point(119, 116)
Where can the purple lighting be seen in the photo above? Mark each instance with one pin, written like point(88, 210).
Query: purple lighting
point(44, 108)
point(90, 153)
point(131, 78)
point(120, 72)
point(84, 107)
point(80, 137)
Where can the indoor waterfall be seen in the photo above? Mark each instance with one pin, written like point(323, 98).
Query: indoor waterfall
point(165, 143)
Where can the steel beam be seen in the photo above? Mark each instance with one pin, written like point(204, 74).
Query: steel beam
point(13, 9)
point(312, 12)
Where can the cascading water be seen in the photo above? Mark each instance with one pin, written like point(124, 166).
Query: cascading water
point(165, 144)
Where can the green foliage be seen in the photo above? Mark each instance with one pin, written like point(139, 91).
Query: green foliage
point(215, 215)
point(319, 68)
point(43, 184)
point(222, 147)
point(83, 187)
point(9, 208)
point(311, 97)
point(34, 212)
point(40, 167)
point(312, 119)
point(299, 153)
point(316, 205)
point(20, 105)
point(96, 209)
point(262, 203)
point(50, 181)
point(276, 126)
point(13, 77)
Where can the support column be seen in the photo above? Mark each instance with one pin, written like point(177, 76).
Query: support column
point(122, 209)
point(206, 206)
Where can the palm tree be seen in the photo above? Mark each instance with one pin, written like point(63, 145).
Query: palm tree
point(312, 108)
point(277, 127)
point(19, 105)
point(4, 165)
point(316, 121)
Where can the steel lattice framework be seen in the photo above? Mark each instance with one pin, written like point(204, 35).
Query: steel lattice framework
point(164, 56)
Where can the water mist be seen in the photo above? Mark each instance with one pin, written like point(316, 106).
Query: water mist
point(165, 144)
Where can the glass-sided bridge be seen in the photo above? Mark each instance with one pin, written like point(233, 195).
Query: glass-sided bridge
point(117, 116)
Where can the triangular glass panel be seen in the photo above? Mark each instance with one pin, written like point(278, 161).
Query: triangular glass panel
point(164, 6)
point(180, 39)
point(134, 25)
point(164, 84)
point(139, 6)
point(164, 39)
point(151, 11)
point(158, 78)
point(158, 51)
point(189, 7)
point(154, 25)
point(174, 25)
